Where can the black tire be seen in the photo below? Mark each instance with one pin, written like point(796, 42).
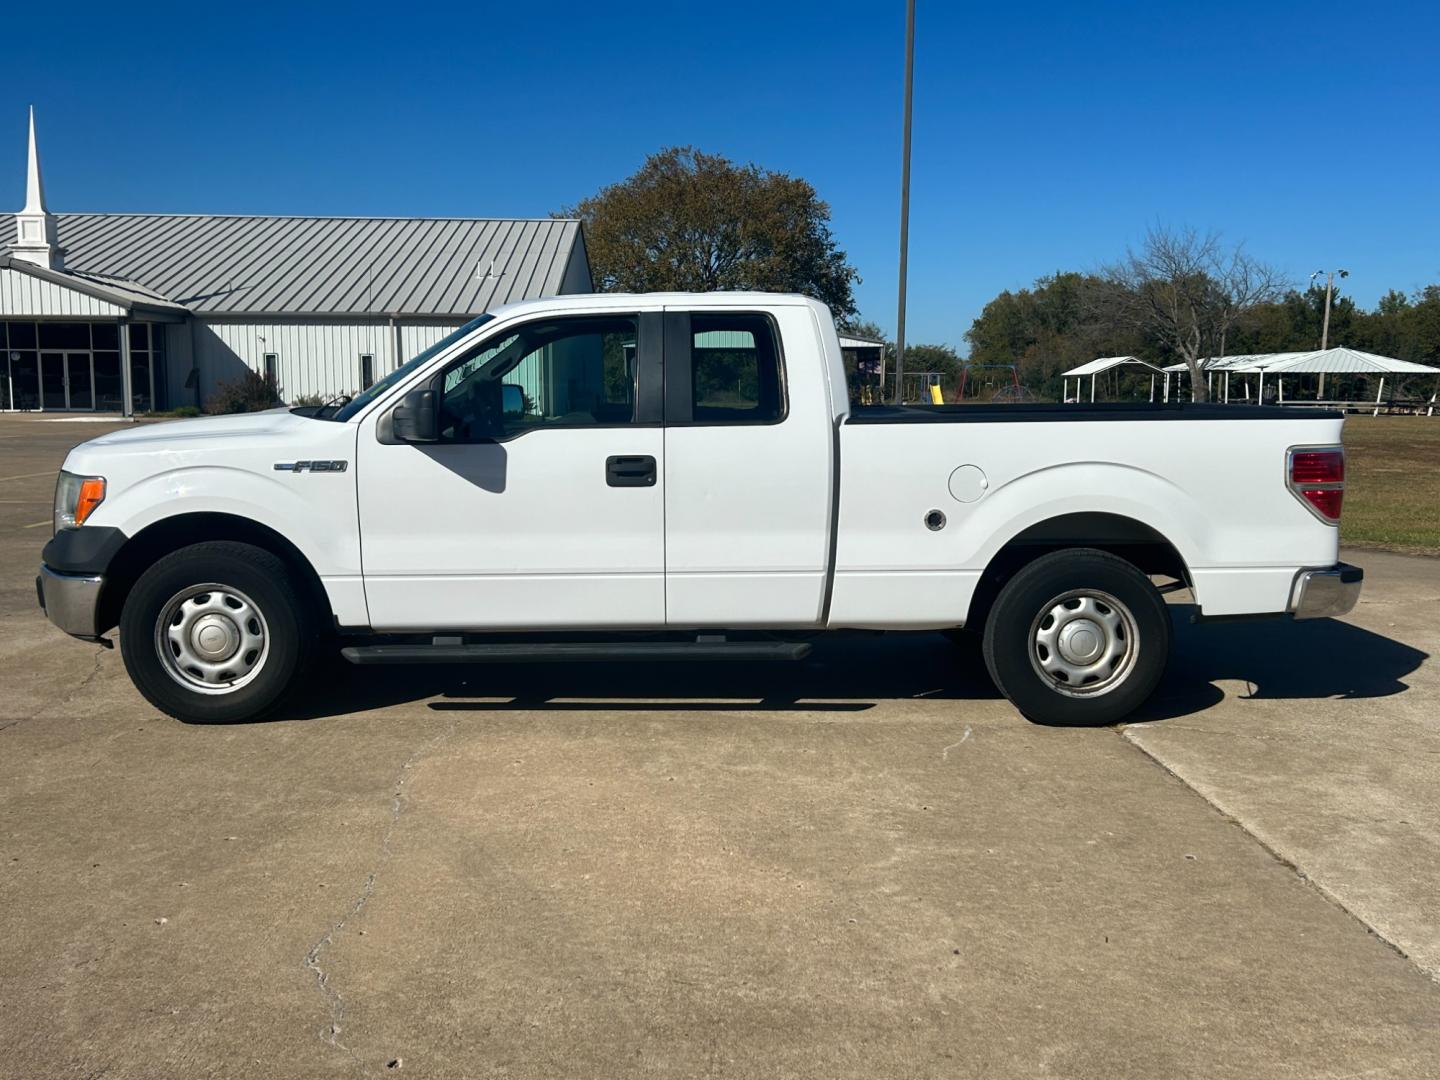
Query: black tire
point(1118, 627)
point(272, 614)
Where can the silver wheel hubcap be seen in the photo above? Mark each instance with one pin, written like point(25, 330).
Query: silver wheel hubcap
point(1084, 643)
point(212, 638)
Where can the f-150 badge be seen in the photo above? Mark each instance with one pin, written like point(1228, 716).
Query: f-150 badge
point(311, 466)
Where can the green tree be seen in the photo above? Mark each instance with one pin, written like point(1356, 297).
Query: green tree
point(1422, 322)
point(941, 359)
point(693, 221)
point(1392, 303)
point(862, 328)
point(1290, 323)
point(1404, 327)
point(1049, 329)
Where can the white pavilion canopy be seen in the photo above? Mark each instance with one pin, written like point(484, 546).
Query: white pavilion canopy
point(1249, 363)
point(1322, 362)
point(1342, 361)
point(1336, 361)
point(1107, 363)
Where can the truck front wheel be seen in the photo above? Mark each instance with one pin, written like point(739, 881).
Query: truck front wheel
point(215, 632)
point(1077, 637)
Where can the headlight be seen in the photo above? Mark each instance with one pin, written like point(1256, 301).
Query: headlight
point(76, 497)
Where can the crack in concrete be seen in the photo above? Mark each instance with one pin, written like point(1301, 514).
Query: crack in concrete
point(334, 1000)
point(1278, 855)
point(945, 753)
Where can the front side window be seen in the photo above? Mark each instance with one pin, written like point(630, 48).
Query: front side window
point(576, 372)
point(365, 397)
point(735, 370)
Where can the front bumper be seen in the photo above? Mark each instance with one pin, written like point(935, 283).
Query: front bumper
point(1323, 594)
point(71, 601)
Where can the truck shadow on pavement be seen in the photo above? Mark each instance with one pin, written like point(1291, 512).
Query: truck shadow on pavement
point(1278, 659)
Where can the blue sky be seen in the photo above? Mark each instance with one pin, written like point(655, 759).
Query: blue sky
point(1047, 136)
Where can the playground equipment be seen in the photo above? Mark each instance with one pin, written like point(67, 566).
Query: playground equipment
point(1014, 392)
point(920, 386)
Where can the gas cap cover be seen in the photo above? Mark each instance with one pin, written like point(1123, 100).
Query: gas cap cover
point(968, 483)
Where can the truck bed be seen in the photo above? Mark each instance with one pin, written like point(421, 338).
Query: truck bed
point(1213, 490)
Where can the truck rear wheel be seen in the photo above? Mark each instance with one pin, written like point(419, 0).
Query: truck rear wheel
point(1078, 637)
point(215, 632)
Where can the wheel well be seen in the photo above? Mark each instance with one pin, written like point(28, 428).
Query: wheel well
point(158, 540)
point(1134, 541)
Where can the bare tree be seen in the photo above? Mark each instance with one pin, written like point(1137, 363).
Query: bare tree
point(1244, 283)
point(1186, 291)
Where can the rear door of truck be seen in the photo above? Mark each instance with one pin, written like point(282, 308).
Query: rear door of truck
point(749, 482)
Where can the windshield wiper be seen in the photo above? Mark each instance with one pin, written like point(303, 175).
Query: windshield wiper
point(326, 411)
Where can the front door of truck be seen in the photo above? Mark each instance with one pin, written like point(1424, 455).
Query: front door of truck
point(550, 514)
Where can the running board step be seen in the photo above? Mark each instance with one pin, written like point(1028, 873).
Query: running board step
point(575, 652)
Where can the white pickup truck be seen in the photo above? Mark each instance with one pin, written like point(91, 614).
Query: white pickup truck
point(631, 477)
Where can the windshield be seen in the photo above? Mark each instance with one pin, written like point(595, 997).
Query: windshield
point(360, 400)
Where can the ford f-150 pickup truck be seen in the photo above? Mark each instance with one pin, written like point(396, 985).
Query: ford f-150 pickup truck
point(673, 476)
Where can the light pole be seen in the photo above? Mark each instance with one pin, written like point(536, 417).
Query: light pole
point(904, 204)
point(1329, 289)
point(1325, 323)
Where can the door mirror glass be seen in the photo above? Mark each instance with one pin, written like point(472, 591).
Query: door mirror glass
point(417, 418)
point(512, 400)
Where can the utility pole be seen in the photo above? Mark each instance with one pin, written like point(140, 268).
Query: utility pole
point(904, 204)
point(1329, 290)
point(1325, 323)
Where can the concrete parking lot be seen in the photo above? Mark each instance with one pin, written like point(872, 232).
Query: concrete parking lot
point(866, 865)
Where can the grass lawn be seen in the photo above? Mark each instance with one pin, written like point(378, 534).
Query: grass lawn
point(1392, 483)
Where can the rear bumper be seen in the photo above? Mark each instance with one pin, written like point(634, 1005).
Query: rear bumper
point(1323, 594)
point(70, 601)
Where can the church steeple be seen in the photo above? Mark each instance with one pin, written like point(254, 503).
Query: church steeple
point(35, 239)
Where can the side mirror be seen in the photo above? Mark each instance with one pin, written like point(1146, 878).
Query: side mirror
point(417, 418)
point(512, 399)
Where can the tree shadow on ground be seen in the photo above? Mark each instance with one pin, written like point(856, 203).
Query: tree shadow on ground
point(1279, 659)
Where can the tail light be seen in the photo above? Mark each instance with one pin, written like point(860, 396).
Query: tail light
point(1316, 474)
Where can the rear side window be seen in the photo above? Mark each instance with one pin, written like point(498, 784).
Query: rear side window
point(735, 370)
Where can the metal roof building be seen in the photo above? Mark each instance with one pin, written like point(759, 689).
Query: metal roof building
point(133, 312)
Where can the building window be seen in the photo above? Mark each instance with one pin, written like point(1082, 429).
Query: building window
point(22, 366)
point(147, 367)
point(61, 365)
point(367, 370)
point(272, 368)
point(7, 387)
